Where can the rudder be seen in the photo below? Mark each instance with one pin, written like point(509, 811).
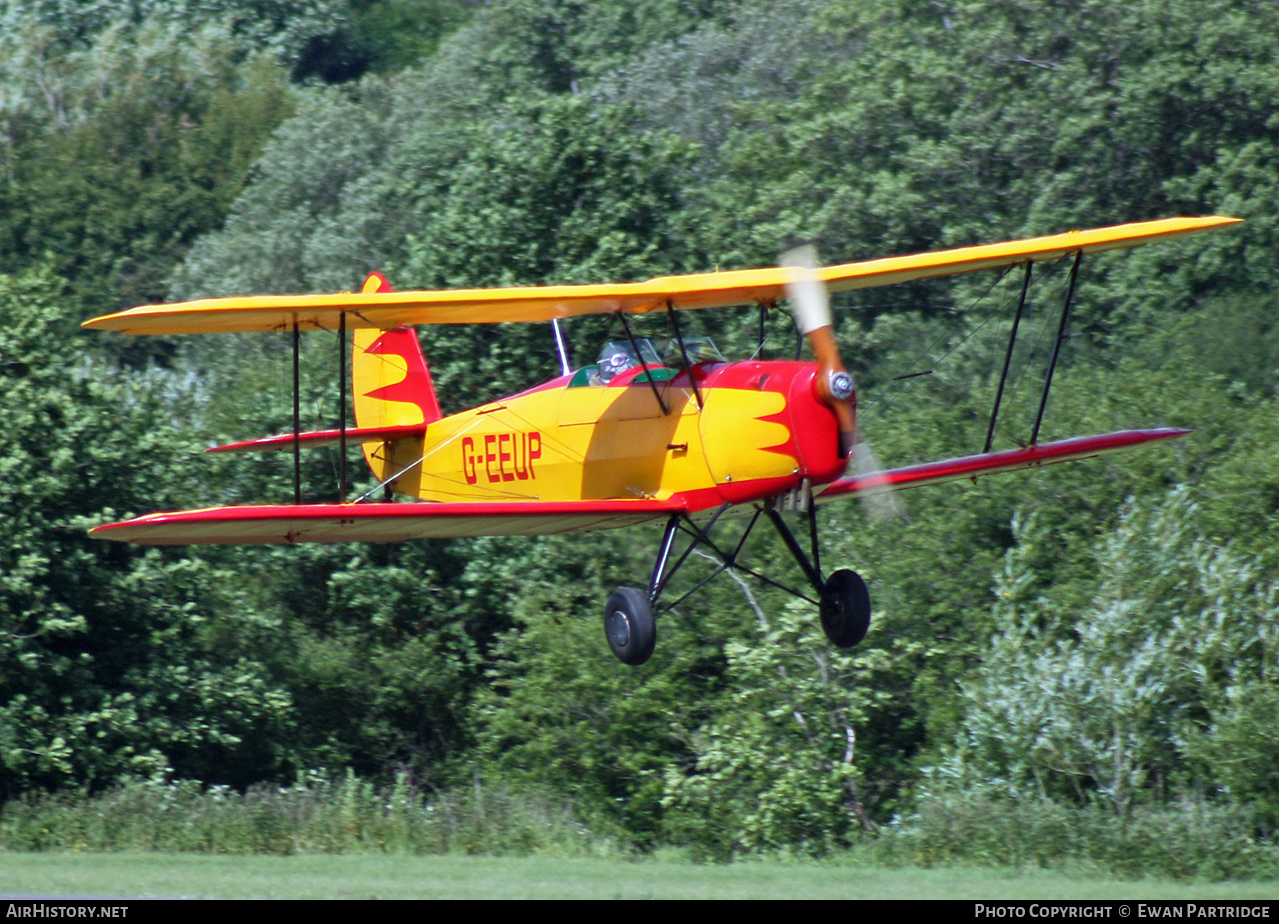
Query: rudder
point(391, 386)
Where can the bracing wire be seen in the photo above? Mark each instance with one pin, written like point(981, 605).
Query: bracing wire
point(901, 385)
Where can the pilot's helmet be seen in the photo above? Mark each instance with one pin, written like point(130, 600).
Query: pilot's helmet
point(614, 359)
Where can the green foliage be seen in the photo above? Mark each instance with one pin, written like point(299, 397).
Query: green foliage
point(989, 121)
point(381, 672)
point(549, 197)
point(560, 712)
point(557, 46)
point(774, 765)
point(281, 26)
point(1114, 702)
point(379, 36)
point(314, 815)
point(107, 668)
point(293, 229)
point(1185, 841)
point(143, 141)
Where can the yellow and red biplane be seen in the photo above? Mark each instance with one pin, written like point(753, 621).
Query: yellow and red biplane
point(629, 440)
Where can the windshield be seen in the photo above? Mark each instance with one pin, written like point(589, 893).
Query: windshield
point(697, 349)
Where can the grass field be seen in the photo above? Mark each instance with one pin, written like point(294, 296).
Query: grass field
point(362, 876)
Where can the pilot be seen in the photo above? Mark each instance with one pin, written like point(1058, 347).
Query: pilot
point(615, 359)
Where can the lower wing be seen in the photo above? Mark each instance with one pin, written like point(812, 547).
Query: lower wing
point(283, 524)
point(380, 522)
point(1009, 460)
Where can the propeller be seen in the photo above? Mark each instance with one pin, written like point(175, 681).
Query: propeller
point(812, 313)
point(835, 385)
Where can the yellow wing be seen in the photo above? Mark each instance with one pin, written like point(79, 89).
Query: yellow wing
point(386, 310)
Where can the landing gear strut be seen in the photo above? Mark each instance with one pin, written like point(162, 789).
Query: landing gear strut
point(630, 624)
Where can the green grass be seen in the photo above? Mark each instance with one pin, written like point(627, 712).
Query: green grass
point(362, 876)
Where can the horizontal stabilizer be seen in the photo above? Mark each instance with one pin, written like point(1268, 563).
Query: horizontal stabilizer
point(285, 524)
point(989, 463)
point(386, 310)
point(322, 438)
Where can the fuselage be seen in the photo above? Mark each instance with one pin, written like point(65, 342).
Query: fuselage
point(759, 431)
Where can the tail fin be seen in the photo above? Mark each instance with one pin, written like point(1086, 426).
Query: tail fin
point(391, 386)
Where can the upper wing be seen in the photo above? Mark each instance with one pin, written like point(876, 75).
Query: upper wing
point(1008, 460)
point(380, 522)
point(386, 310)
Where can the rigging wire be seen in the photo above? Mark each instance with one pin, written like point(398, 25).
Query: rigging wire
point(1037, 344)
point(906, 382)
point(899, 386)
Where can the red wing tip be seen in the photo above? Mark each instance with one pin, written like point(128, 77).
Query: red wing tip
point(101, 532)
point(1158, 433)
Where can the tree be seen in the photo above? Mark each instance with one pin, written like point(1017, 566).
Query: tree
point(780, 764)
point(155, 140)
point(1120, 701)
point(114, 663)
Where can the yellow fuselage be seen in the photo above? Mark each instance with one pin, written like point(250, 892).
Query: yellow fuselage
point(566, 441)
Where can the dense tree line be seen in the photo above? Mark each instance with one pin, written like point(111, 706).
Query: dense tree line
point(1093, 634)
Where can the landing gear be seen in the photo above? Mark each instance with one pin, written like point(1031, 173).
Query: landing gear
point(630, 626)
point(842, 599)
point(845, 608)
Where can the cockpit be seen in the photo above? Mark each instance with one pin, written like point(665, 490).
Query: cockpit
point(619, 356)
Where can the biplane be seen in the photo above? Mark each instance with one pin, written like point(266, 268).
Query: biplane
point(634, 438)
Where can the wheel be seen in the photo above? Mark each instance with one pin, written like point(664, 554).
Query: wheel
point(845, 609)
point(630, 626)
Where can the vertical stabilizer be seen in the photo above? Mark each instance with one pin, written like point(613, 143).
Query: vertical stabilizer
point(391, 386)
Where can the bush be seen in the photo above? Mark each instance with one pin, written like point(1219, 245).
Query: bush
point(1189, 841)
point(315, 815)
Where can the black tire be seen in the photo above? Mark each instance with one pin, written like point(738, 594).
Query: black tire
point(845, 609)
point(630, 626)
